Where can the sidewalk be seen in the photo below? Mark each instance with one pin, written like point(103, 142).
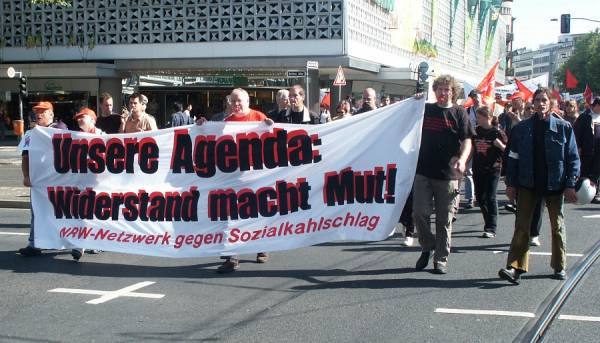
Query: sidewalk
point(15, 195)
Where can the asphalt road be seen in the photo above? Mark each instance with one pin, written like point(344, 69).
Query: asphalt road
point(335, 292)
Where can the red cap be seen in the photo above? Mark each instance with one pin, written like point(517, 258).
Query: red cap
point(85, 111)
point(43, 105)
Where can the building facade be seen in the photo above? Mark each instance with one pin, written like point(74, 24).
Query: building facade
point(103, 45)
point(546, 60)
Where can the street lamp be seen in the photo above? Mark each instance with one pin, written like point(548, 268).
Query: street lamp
point(18, 125)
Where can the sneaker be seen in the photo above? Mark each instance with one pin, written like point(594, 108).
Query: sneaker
point(423, 260)
point(510, 208)
point(262, 257)
point(535, 241)
point(407, 242)
point(560, 274)
point(229, 266)
point(29, 251)
point(488, 234)
point(510, 274)
point(77, 253)
point(440, 268)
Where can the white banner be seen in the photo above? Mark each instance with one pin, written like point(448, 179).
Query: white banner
point(225, 188)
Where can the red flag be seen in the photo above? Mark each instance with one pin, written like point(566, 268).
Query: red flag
point(588, 95)
point(527, 93)
point(571, 80)
point(556, 94)
point(486, 87)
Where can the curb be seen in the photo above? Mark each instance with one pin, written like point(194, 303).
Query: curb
point(15, 204)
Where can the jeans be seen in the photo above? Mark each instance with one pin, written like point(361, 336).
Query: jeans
point(486, 184)
point(428, 192)
point(469, 184)
point(518, 256)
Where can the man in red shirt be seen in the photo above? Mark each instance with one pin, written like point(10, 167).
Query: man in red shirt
point(240, 108)
point(239, 105)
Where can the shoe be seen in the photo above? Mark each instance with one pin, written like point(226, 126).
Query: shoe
point(560, 274)
point(535, 241)
point(29, 251)
point(453, 219)
point(77, 253)
point(510, 274)
point(469, 204)
point(407, 242)
point(488, 234)
point(440, 268)
point(423, 261)
point(228, 266)
point(596, 200)
point(262, 257)
point(510, 208)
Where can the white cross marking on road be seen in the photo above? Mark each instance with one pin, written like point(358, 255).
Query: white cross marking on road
point(110, 295)
point(512, 314)
point(541, 253)
point(593, 216)
point(15, 233)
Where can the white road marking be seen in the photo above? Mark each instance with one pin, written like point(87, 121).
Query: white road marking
point(581, 318)
point(593, 216)
point(512, 314)
point(485, 312)
point(540, 253)
point(110, 295)
point(15, 233)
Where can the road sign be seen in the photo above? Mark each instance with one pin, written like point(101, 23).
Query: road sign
point(312, 64)
point(296, 73)
point(340, 79)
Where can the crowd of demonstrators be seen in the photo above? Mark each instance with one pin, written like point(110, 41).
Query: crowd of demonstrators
point(529, 141)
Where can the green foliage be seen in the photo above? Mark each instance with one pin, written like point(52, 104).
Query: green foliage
point(584, 64)
point(66, 3)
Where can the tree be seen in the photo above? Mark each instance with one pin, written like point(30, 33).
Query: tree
point(66, 3)
point(584, 63)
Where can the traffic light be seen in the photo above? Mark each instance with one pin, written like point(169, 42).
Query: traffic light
point(23, 86)
point(565, 23)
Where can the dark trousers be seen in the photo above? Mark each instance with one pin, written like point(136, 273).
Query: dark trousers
point(406, 217)
point(486, 184)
